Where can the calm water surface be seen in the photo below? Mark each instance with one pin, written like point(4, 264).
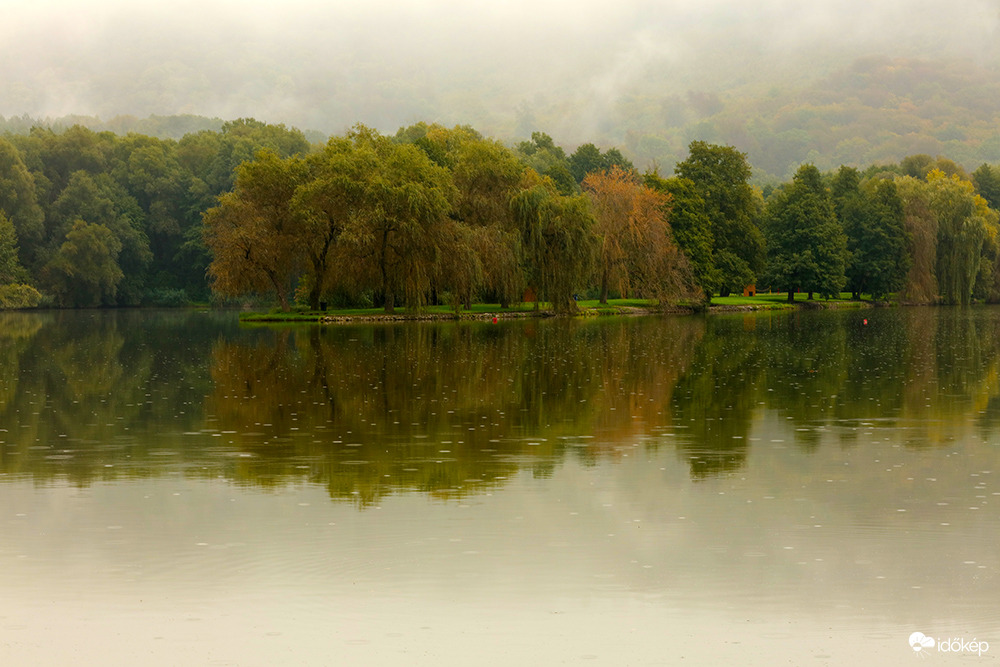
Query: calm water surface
point(765, 489)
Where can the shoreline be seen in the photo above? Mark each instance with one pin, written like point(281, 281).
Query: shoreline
point(604, 311)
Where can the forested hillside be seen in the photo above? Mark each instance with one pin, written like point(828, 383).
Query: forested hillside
point(876, 111)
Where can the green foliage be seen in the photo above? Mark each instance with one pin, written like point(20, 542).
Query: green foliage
point(19, 201)
point(253, 232)
point(806, 245)
point(588, 159)
point(963, 221)
point(721, 175)
point(400, 229)
point(19, 296)
point(486, 175)
point(85, 272)
point(459, 215)
point(149, 192)
point(542, 155)
point(921, 226)
point(872, 219)
point(166, 297)
point(10, 268)
point(557, 238)
point(733, 273)
point(987, 181)
point(692, 230)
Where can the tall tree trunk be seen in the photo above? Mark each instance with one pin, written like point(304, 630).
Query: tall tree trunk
point(279, 291)
point(314, 294)
point(791, 295)
point(604, 286)
point(390, 302)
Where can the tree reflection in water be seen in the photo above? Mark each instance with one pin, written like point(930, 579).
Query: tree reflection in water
point(451, 409)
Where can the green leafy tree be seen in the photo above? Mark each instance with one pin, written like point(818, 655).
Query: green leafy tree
point(98, 199)
point(241, 140)
point(557, 234)
point(872, 219)
point(486, 174)
point(987, 181)
point(252, 233)
point(588, 159)
point(85, 271)
point(11, 270)
point(398, 234)
point(542, 155)
point(806, 245)
point(324, 204)
point(692, 230)
point(721, 175)
point(963, 219)
point(921, 226)
point(151, 173)
point(54, 157)
point(18, 201)
point(886, 269)
point(920, 165)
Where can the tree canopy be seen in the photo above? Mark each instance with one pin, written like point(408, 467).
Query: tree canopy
point(806, 246)
point(446, 215)
point(721, 174)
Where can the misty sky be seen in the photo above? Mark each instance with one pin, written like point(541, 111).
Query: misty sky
point(326, 65)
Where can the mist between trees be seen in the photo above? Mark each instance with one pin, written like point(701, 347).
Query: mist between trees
point(434, 215)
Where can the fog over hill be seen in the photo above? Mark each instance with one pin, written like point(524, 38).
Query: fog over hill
point(646, 75)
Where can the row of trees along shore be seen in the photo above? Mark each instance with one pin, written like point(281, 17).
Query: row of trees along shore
point(436, 215)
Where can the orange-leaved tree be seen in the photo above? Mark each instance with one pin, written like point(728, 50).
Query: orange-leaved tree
point(637, 254)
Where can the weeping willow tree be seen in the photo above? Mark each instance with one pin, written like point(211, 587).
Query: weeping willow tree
point(323, 206)
point(948, 225)
point(400, 229)
point(557, 237)
point(920, 223)
point(637, 254)
point(488, 260)
point(253, 231)
point(963, 222)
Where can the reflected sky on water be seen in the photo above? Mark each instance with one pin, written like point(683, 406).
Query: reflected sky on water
point(812, 486)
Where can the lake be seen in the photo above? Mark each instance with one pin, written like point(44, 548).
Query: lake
point(811, 487)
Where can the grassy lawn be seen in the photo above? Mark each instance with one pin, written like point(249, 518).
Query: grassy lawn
point(775, 301)
point(301, 315)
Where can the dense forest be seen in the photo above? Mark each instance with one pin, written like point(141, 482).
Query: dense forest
point(438, 215)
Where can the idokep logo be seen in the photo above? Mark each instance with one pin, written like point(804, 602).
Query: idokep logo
point(921, 642)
